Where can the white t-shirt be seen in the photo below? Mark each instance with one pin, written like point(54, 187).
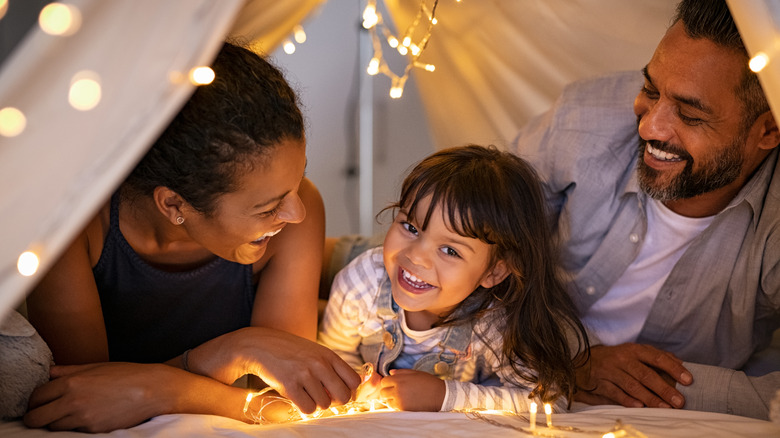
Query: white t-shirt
point(619, 315)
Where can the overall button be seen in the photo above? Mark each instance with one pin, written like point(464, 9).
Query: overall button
point(388, 340)
point(590, 290)
point(441, 368)
point(633, 237)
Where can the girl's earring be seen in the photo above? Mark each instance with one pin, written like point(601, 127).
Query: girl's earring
point(179, 220)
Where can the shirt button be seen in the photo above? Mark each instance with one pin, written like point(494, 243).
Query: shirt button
point(590, 290)
point(633, 237)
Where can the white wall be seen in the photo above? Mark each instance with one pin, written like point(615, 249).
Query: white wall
point(325, 71)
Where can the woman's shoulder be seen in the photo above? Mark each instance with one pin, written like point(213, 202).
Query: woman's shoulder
point(93, 235)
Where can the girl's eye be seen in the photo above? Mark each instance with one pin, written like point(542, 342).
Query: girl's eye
point(450, 252)
point(409, 227)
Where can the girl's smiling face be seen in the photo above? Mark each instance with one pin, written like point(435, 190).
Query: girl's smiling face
point(266, 200)
point(433, 270)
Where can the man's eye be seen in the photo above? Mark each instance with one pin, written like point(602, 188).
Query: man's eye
point(652, 94)
point(690, 120)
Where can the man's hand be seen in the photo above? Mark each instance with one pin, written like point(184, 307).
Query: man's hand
point(412, 390)
point(632, 375)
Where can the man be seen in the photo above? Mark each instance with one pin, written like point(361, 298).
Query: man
point(670, 233)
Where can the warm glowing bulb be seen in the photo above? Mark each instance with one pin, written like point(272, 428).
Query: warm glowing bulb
point(202, 75)
point(299, 34)
point(434, 21)
point(396, 92)
point(85, 91)
point(430, 67)
point(12, 122)
point(758, 62)
point(289, 47)
point(249, 397)
point(532, 408)
point(415, 49)
point(403, 50)
point(370, 17)
point(392, 41)
point(373, 66)
point(27, 264)
point(608, 435)
point(407, 41)
point(3, 7)
point(59, 19)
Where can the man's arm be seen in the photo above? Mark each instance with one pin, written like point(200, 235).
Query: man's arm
point(716, 389)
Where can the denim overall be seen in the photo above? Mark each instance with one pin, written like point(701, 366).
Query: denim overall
point(384, 346)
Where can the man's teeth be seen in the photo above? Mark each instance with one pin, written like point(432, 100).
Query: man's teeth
point(661, 155)
point(414, 281)
point(268, 234)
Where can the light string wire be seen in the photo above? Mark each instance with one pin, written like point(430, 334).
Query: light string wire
point(406, 46)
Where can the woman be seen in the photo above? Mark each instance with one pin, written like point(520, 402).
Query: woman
point(207, 259)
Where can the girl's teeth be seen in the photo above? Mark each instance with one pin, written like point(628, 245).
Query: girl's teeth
point(414, 280)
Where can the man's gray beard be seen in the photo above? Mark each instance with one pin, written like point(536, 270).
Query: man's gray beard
point(714, 174)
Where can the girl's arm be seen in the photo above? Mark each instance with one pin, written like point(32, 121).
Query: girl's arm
point(348, 308)
point(287, 292)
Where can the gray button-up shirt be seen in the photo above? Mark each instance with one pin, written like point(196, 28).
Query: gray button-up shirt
point(721, 301)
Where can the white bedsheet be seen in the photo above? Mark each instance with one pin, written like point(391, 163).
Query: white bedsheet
point(590, 422)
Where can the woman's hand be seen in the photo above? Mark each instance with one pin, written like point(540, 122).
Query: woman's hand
point(99, 397)
point(412, 390)
point(307, 373)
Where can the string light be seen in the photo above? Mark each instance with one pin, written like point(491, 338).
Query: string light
point(27, 264)
point(59, 19)
point(299, 34)
point(202, 75)
point(12, 122)
point(758, 62)
point(407, 45)
point(288, 47)
point(85, 90)
point(3, 8)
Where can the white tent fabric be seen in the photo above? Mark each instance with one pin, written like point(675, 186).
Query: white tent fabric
point(57, 172)
point(498, 63)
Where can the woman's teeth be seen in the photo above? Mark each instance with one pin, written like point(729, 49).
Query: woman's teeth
point(661, 155)
point(268, 234)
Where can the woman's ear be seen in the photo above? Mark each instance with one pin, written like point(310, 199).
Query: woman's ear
point(169, 203)
point(495, 275)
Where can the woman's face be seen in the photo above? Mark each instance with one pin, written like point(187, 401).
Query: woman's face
point(266, 200)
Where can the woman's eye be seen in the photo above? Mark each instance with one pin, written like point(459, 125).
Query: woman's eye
point(450, 252)
point(273, 212)
point(409, 227)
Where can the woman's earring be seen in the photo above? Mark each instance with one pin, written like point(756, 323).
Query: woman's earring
point(179, 220)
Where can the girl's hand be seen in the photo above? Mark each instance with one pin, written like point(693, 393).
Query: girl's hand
point(412, 390)
point(370, 387)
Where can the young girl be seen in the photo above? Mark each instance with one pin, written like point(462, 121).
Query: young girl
point(461, 308)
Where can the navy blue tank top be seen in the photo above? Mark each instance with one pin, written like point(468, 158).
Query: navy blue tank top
point(153, 315)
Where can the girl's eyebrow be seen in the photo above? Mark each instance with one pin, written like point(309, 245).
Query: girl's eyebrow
point(461, 242)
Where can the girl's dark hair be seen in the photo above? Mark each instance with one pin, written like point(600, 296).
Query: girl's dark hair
point(496, 197)
point(223, 130)
point(712, 20)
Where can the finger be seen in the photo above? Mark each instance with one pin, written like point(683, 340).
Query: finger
point(646, 385)
point(592, 399)
point(630, 390)
point(45, 393)
point(300, 398)
point(58, 371)
point(668, 363)
point(44, 415)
